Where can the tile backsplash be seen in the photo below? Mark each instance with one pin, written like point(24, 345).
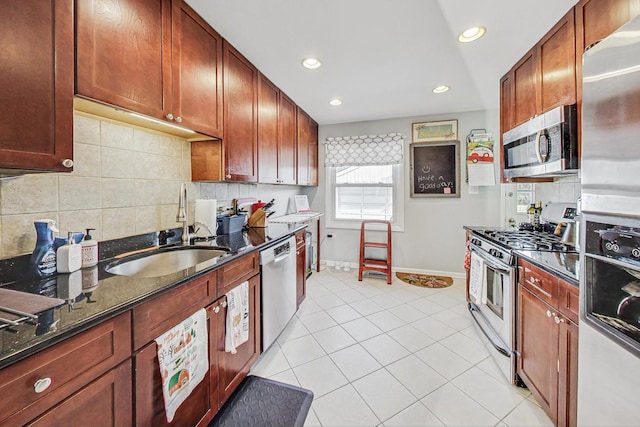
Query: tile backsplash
point(562, 190)
point(126, 181)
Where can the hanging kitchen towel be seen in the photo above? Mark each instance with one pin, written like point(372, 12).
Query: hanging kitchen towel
point(183, 359)
point(477, 288)
point(237, 322)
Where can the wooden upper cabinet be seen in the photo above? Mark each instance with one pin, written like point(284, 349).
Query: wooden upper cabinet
point(240, 117)
point(124, 53)
point(307, 149)
point(506, 112)
point(36, 112)
point(268, 95)
point(287, 140)
point(197, 72)
point(544, 78)
point(525, 89)
point(154, 57)
point(276, 135)
point(596, 19)
point(556, 56)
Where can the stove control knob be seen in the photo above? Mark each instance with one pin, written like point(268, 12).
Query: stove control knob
point(635, 252)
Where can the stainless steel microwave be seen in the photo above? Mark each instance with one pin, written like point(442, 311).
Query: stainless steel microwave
point(546, 145)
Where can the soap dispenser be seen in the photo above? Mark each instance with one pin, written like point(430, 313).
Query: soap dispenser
point(89, 250)
point(44, 254)
point(69, 256)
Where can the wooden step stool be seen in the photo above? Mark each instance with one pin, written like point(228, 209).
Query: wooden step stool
point(374, 264)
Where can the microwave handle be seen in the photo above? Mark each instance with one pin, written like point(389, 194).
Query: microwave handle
point(542, 137)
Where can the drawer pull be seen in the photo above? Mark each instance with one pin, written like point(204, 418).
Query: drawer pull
point(42, 384)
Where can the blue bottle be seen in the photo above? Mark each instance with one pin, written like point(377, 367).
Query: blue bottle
point(44, 255)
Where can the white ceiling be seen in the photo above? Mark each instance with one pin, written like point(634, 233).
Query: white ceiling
point(383, 57)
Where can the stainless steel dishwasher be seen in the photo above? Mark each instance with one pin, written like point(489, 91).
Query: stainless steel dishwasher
point(278, 265)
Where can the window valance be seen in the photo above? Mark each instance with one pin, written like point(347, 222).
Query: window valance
point(364, 150)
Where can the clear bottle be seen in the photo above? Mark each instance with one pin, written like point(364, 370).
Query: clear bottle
point(537, 212)
point(531, 213)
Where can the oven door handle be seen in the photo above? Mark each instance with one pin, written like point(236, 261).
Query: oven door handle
point(473, 309)
point(502, 269)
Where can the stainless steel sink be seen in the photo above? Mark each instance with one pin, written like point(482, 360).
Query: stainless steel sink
point(166, 261)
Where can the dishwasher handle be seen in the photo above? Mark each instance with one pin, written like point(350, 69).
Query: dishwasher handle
point(281, 258)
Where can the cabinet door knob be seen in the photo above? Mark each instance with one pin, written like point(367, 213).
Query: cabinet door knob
point(549, 314)
point(228, 176)
point(223, 303)
point(179, 119)
point(216, 309)
point(42, 384)
point(169, 116)
point(67, 163)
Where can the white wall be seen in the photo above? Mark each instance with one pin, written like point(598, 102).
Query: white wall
point(433, 239)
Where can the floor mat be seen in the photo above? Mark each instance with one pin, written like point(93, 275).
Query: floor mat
point(263, 402)
point(425, 280)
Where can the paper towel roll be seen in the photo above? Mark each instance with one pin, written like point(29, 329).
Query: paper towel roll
point(205, 217)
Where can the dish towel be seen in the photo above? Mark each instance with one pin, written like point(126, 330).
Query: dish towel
point(183, 359)
point(237, 322)
point(477, 281)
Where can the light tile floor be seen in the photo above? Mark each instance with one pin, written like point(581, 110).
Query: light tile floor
point(393, 355)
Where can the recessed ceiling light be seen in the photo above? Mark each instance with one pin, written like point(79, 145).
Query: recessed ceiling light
point(311, 63)
point(335, 102)
point(441, 89)
point(473, 33)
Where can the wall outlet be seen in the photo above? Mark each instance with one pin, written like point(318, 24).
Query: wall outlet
point(331, 236)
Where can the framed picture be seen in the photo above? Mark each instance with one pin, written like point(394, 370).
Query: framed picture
point(446, 130)
point(435, 169)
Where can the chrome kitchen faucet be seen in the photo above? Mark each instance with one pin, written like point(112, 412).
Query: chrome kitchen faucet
point(183, 213)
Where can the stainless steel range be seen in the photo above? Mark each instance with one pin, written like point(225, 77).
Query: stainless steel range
point(492, 279)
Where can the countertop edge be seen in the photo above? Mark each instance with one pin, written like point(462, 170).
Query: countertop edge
point(112, 312)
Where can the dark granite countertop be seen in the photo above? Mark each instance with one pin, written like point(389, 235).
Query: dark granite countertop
point(104, 295)
point(565, 265)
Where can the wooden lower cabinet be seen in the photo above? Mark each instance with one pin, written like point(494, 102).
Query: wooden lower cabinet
point(108, 375)
point(538, 348)
point(149, 409)
point(226, 370)
point(233, 368)
point(107, 401)
point(301, 267)
point(547, 346)
point(76, 368)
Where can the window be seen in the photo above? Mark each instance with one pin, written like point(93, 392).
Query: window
point(355, 193)
point(364, 179)
point(364, 192)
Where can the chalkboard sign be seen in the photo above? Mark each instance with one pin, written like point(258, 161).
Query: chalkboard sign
point(435, 169)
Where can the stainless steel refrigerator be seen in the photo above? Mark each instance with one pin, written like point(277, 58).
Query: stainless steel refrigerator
point(609, 334)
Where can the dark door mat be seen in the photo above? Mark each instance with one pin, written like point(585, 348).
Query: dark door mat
point(263, 402)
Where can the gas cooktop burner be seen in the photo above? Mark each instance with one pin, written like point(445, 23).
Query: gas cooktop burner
point(529, 240)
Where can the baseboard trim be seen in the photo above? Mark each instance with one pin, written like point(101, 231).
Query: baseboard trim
point(354, 266)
